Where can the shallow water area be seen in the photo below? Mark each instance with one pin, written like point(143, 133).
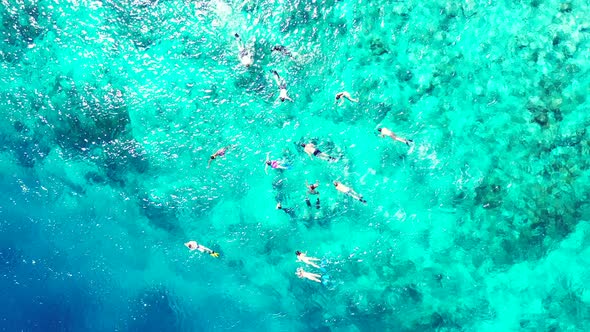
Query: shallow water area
point(111, 110)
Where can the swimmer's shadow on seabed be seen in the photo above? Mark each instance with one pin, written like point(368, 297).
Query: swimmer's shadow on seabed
point(311, 215)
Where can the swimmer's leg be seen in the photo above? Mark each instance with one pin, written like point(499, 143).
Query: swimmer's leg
point(357, 196)
point(317, 203)
point(239, 41)
point(277, 77)
point(307, 201)
point(289, 211)
point(327, 157)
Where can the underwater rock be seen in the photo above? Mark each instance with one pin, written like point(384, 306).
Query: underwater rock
point(565, 7)
point(20, 127)
point(489, 195)
point(378, 48)
point(94, 177)
point(404, 75)
point(160, 214)
point(542, 119)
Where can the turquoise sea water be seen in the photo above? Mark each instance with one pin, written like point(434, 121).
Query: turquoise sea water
point(110, 110)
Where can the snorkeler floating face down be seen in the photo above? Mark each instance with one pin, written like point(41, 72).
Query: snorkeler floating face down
point(246, 55)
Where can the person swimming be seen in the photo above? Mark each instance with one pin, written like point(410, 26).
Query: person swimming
point(311, 150)
point(274, 164)
point(193, 245)
point(311, 188)
point(218, 153)
point(348, 191)
point(245, 55)
point(282, 49)
point(301, 257)
point(294, 56)
point(344, 94)
point(307, 275)
point(386, 132)
point(282, 87)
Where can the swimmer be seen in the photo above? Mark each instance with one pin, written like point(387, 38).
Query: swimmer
point(282, 87)
point(386, 132)
point(310, 149)
point(348, 191)
point(301, 257)
point(312, 187)
point(282, 49)
point(193, 245)
point(245, 55)
point(275, 164)
point(294, 56)
point(307, 275)
point(218, 153)
point(343, 95)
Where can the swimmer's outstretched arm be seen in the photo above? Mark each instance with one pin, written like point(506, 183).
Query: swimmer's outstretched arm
point(209, 163)
point(266, 164)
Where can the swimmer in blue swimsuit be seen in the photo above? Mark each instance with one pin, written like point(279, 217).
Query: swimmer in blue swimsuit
point(310, 149)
